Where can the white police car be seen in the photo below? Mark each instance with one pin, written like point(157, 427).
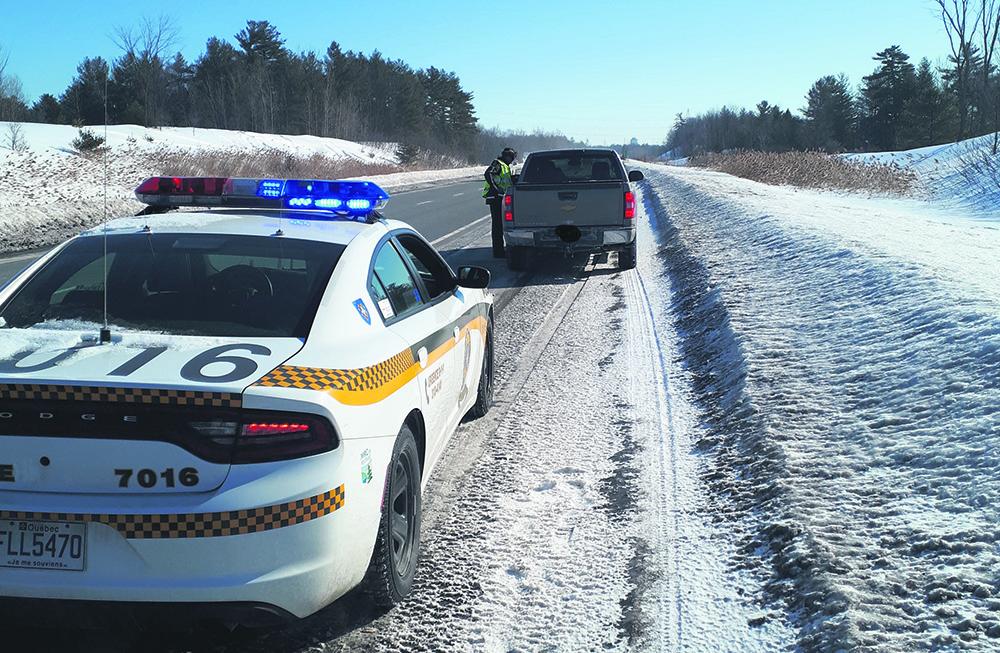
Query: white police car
point(252, 429)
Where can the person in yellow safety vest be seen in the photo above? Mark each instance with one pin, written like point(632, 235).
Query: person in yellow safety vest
point(498, 180)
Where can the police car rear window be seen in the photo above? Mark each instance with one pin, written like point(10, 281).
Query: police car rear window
point(188, 284)
point(571, 168)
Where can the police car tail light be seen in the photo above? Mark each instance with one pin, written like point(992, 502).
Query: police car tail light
point(508, 208)
point(629, 205)
point(263, 429)
point(279, 436)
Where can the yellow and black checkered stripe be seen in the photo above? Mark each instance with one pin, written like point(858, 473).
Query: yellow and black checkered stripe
point(206, 524)
point(369, 385)
point(148, 396)
point(318, 378)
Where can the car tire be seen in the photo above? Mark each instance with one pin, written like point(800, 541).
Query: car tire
point(517, 258)
point(627, 257)
point(397, 547)
point(484, 394)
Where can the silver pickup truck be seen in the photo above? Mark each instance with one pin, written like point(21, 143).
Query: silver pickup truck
point(571, 201)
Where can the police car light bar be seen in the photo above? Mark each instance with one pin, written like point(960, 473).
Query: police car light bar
point(351, 198)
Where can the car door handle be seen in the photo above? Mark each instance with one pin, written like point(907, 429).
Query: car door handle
point(567, 197)
point(422, 356)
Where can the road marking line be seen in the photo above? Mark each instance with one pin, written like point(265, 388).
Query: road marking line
point(424, 202)
point(458, 194)
point(445, 237)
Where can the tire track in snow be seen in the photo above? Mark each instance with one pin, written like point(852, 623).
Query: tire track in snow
point(641, 313)
point(699, 597)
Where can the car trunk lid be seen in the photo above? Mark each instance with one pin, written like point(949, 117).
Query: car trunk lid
point(144, 413)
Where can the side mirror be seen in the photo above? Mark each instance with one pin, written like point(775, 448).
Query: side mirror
point(635, 175)
point(514, 178)
point(471, 276)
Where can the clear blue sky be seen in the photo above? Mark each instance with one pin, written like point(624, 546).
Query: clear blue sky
point(601, 71)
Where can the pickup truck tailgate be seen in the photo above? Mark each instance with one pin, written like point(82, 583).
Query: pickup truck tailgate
point(585, 204)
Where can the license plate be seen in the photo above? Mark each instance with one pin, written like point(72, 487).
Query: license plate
point(43, 545)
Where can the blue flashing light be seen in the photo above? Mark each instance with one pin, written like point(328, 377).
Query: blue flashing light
point(270, 188)
point(354, 197)
point(359, 205)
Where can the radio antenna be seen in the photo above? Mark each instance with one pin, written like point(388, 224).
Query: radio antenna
point(105, 335)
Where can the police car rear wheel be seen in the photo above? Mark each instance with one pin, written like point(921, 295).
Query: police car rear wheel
point(484, 396)
point(394, 562)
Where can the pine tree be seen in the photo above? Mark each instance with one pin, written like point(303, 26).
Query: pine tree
point(177, 103)
point(45, 109)
point(831, 114)
point(83, 102)
point(884, 96)
point(925, 118)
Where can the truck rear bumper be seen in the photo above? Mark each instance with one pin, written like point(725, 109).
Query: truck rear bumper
point(571, 238)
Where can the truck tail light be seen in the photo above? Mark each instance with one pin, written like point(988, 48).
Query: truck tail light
point(508, 208)
point(265, 437)
point(629, 205)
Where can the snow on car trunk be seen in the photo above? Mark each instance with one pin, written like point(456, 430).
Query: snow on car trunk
point(846, 356)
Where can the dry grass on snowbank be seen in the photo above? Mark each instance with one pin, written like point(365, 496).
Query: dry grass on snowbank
point(810, 170)
point(263, 162)
point(48, 197)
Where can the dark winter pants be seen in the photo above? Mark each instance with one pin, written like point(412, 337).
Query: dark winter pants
point(497, 222)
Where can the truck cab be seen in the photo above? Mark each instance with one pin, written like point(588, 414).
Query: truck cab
point(571, 201)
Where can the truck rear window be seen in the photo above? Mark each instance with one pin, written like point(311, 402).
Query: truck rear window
point(183, 284)
point(571, 168)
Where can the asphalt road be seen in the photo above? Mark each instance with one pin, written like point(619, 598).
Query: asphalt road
point(435, 212)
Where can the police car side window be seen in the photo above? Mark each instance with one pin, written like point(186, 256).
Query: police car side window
point(397, 284)
point(434, 272)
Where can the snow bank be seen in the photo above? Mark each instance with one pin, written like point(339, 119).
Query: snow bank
point(49, 193)
point(846, 357)
point(966, 173)
point(57, 139)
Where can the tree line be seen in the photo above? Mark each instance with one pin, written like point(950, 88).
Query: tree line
point(257, 84)
point(898, 106)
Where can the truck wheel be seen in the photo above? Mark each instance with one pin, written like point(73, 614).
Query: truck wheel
point(627, 257)
point(397, 547)
point(484, 396)
point(517, 258)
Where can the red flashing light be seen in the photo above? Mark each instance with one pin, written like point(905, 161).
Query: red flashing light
point(508, 208)
point(508, 216)
point(182, 186)
point(629, 205)
point(508, 200)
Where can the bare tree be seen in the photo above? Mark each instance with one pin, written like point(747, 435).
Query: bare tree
point(960, 26)
point(988, 23)
point(144, 49)
point(13, 138)
point(12, 104)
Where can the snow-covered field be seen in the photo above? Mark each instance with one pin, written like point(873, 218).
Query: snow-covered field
point(845, 358)
point(49, 192)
